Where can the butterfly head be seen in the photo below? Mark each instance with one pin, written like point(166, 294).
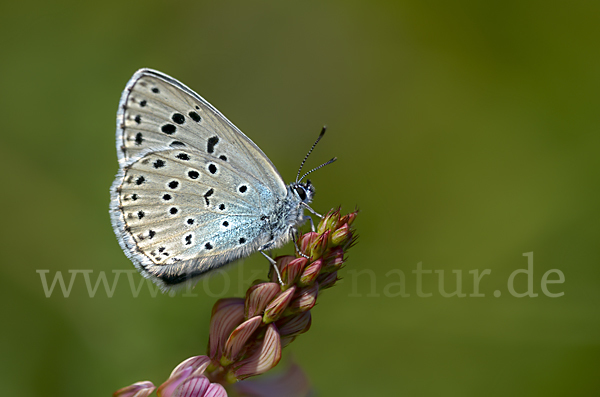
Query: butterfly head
point(304, 192)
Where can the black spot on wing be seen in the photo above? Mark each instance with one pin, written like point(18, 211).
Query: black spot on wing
point(195, 116)
point(178, 118)
point(207, 195)
point(210, 145)
point(168, 129)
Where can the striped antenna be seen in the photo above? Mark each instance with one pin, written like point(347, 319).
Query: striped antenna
point(308, 154)
point(316, 168)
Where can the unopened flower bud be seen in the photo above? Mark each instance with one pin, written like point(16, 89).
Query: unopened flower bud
point(197, 363)
point(139, 389)
point(319, 245)
point(197, 386)
point(306, 240)
point(278, 305)
point(294, 325)
point(327, 280)
point(238, 338)
point(310, 273)
point(329, 221)
point(349, 218)
point(258, 296)
point(334, 260)
point(305, 299)
point(341, 236)
point(264, 357)
point(281, 262)
point(291, 271)
point(226, 315)
point(168, 388)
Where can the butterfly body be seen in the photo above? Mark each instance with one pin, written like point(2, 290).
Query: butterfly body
point(193, 193)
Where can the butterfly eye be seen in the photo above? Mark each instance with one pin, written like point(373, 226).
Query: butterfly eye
point(301, 193)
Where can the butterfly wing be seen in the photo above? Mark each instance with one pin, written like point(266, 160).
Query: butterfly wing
point(192, 189)
point(157, 111)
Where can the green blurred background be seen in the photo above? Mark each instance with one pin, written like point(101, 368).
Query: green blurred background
point(466, 132)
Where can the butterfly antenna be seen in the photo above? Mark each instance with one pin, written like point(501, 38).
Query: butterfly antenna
point(316, 168)
point(308, 154)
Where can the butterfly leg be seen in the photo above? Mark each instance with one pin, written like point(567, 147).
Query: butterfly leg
point(312, 224)
point(311, 210)
point(273, 263)
point(295, 237)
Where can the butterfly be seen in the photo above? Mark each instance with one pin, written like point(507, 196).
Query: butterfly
point(193, 193)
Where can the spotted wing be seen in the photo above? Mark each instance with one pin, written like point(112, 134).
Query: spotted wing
point(157, 112)
point(179, 213)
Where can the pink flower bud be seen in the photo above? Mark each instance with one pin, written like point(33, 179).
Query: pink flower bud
point(334, 260)
point(258, 296)
point(341, 236)
point(305, 299)
point(319, 245)
point(198, 386)
point(139, 389)
point(290, 272)
point(294, 325)
point(264, 357)
point(226, 315)
point(197, 363)
point(329, 221)
point(327, 280)
point(281, 261)
point(310, 273)
point(238, 338)
point(277, 306)
point(167, 389)
point(306, 240)
point(349, 219)
point(215, 390)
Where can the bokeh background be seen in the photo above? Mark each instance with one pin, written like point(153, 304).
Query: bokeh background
point(467, 134)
